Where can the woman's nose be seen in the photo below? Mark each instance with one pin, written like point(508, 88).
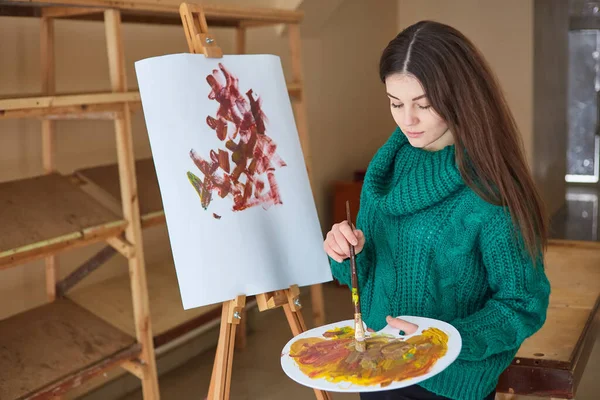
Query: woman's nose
point(409, 117)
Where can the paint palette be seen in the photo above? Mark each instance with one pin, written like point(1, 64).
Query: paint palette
point(324, 358)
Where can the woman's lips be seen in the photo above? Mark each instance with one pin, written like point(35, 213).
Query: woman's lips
point(414, 134)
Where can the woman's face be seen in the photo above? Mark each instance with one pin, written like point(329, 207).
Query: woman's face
point(413, 113)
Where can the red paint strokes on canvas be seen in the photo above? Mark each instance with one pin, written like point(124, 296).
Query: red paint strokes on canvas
point(244, 170)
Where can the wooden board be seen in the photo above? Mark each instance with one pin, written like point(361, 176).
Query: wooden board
point(160, 12)
point(92, 105)
point(551, 362)
point(45, 214)
point(111, 301)
point(574, 273)
point(82, 106)
point(558, 337)
point(106, 178)
point(53, 345)
point(573, 269)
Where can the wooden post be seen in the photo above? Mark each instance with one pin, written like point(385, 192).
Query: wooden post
point(131, 211)
point(48, 138)
point(240, 40)
point(316, 291)
point(231, 316)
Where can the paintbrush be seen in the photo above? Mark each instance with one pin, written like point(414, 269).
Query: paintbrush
point(359, 331)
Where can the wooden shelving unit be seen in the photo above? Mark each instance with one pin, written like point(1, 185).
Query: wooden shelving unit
point(47, 214)
point(82, 332)
point(49, 346)
point(169, 319)
point(104, 181)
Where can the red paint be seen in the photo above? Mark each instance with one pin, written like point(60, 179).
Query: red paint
point(245, 170)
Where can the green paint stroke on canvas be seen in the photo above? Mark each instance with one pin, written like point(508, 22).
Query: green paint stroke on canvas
point(386, 359)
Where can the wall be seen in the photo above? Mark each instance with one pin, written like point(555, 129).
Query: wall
point(503, 33)
point(347, 110)
point(347, 105)
point(550, 125)
point(525, 42)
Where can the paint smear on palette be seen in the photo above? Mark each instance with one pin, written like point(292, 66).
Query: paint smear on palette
point(244, 171)
point(387, 359)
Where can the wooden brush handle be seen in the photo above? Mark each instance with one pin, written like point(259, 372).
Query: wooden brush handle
point(355, 296)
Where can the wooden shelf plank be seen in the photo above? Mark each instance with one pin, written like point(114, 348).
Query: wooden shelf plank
point(104, 105)
point(573, 269)
point(47, 214)
point(82, 106)
point(574, 272)
point(111, 301)
point(557, 339)
point(159, 12)
point(56, 347)
point(106, 178)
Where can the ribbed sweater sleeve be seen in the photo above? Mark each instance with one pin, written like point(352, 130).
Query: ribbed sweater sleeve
point(517, 307)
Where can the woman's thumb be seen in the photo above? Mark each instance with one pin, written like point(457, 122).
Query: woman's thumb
point(402, 325)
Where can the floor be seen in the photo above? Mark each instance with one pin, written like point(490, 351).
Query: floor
point(257, 373)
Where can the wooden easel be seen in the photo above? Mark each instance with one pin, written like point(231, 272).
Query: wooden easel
point(201, 42)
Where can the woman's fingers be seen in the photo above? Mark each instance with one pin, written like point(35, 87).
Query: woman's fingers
point(361, 240)
point(338, 241)
point(341, 241)
point(348, 233)
point(332, 249)
point(332, 242)
point(402, 325)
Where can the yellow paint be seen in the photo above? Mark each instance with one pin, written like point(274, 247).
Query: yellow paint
point(386, 359)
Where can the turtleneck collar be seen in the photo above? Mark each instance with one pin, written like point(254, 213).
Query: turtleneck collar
point(403, 179)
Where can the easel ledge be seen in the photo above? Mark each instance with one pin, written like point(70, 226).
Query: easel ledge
point(201, 42)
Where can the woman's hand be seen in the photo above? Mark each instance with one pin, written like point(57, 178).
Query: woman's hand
point(339, 238)
point(405, 327)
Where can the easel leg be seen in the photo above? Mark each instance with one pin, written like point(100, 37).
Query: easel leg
point(241, 335)
point(221, 369)
point(220, 382)
point(296, 322)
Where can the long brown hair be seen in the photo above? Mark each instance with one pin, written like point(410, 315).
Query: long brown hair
point(462, 89)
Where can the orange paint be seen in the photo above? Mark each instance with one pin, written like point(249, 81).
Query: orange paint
point(387, 359)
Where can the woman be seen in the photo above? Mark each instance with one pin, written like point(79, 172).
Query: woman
point(450, 224)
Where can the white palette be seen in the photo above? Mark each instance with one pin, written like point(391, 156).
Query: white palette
point(292, 370)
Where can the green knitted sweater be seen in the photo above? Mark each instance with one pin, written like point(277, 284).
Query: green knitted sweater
point(435, 249)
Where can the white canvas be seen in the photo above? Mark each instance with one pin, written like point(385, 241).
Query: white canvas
point(220, 252)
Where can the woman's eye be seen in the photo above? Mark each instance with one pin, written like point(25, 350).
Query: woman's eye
point(424, 107)
point(396, 105)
